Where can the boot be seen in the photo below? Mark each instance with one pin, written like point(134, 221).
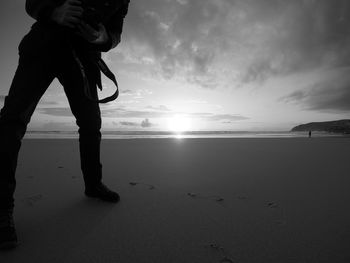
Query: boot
point(8, 236)
point(101, 192)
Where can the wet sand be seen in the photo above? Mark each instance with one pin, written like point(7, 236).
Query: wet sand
point(187, 200)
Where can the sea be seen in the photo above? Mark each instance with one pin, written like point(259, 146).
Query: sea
point(183, 135)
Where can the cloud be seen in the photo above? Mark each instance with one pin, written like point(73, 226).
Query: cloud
point(56, 126)
point(146, 123)
point(126, 92)
point(158, 108)
point(56, 111)
point(235, 42)
point(48, 103)
point(196, 101)
point(332, 94)
point(129, 124)
point(330, 97)
point(170, 33)
point(155, 113)
point(295, 96)
point(107, 113)
point(226, 117)
point(138, 94)
point(301, 35)
point(161, 113)
point(129, 113)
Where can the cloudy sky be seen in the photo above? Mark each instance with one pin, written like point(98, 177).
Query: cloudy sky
point(211, 65)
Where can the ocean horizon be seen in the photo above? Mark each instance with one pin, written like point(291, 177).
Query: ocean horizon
point(184, 135)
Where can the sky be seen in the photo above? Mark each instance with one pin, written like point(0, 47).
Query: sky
point(241, 65)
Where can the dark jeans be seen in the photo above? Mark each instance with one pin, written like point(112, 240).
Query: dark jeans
point(43, 58)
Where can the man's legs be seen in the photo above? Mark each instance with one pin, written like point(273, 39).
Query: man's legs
point(88, 118)
point(31, 80)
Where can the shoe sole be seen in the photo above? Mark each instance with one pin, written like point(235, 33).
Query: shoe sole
point(103, 199)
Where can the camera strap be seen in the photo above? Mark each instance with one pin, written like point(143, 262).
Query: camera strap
point(105, 70)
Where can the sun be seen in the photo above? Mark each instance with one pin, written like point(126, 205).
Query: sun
point(179, 123)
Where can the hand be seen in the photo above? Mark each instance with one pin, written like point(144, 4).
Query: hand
point(69, 14)
point(92, 35)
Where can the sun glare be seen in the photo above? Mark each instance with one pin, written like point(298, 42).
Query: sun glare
point(179, 124)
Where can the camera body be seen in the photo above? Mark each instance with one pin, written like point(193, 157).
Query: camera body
point(99, 11)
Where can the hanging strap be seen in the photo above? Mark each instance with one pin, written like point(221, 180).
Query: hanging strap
point(105, 70)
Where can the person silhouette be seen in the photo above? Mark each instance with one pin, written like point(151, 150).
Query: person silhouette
point(45, 53)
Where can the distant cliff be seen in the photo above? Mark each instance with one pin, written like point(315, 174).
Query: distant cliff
point(341, 126)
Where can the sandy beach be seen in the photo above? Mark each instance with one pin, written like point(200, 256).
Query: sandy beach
point(187, 200)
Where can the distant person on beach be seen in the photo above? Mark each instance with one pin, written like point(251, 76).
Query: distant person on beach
point(63, 32)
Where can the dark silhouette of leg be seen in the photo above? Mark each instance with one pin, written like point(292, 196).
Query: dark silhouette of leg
point(32, 78)
point(88, 119)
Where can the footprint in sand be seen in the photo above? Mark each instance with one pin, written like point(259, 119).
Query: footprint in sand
point(279, 213)
point(242, 197)
point(215, 198)
point(225, 258)
point(150, 187)
point(31, 200)
point(272, 205)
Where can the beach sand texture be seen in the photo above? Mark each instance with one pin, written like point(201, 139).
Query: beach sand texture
point(187, 200)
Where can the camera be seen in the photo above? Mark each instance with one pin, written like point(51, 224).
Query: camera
point(99, 11)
